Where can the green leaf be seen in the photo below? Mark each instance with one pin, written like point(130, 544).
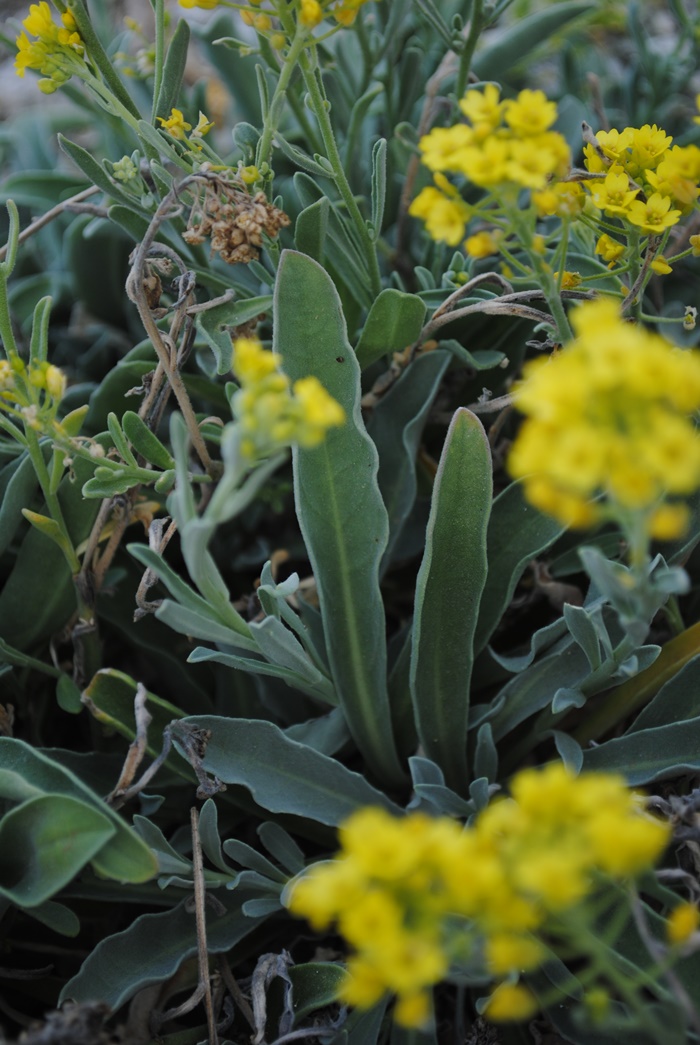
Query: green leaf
point(395, 321)
point(173, 70)
point(517, 534)
point(153, 948)
point(677, 700)
point(340, 510)
point(302, 159)
point(378, 187)
point(18, 494)
point(58, 917)
point(45, 842)
point(649, 754)
point(237, 630)
point(282, 775)
point(109, 698)
point(39, 345)
point(448, 591)
point(95, 173)
point(396, 426)
point(108, 482)
point(145, 442)
point(68, 695)
point(214, 323)
point(311, 229)
point(124, 856)
point(315, 985)
point(524, 36)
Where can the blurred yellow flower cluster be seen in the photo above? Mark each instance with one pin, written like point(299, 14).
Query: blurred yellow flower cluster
point(271, 411)
point(609, 415)
point(310, 13)
point(31, 394)
point(413, 895)
point(507, 144)
point(56, 52)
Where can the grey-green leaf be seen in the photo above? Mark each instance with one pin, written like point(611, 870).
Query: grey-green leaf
point(448, 591)
point(45, 842)
point(395, 321)
point(339, 506)
point(282, 775)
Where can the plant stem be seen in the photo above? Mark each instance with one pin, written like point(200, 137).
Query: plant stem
point(263, 153)
point(319, 104)
point(544, 274)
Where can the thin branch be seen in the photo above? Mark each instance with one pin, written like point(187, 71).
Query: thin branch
point(49, 216)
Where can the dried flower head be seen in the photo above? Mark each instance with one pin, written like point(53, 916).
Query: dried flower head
point(234, 221)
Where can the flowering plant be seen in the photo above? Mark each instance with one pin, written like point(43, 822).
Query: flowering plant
point(350, 503)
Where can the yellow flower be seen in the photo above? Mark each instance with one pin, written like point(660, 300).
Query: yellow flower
point(661, 267)
point(530, 113)
point(206, 5)
point(613, 194)
point(175, 125)
point(317, 411)
point(483, 108)
point(565, 199)
point(609, 249)
point(654, 216)
point(203, 126)
point(510, 1003)
point(683, 921)
point(310, 13)
point(442, 148)
point(445, 215)
point(507, 951)
point(482, 244)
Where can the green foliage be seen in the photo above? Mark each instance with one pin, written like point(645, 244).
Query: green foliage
point(378, 618)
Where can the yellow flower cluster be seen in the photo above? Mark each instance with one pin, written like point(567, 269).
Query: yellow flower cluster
point(31, 395)
point(177, 127)
point(609, 415)
point(309, 12)
point(272, 412)
point(506, 144)
point(413, 895)
point(648, 182)
point(57, 52)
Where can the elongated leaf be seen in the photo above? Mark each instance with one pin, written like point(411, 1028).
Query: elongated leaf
point(678, 699)
point(448, 591)
point(315, 986)
point(638, 691)
point(395, 320)
point(153, 948)
point(311, 229)
point(650, 754)
point(340, 510)
point(525, 35)
point(378, 187)
point(396, 426)
point(124, 857)
point(281, 774)
point(517, 534)
point(17, 495)
point(174, 69)
point(145, 442)
point(45, 842)
point(97, 174)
